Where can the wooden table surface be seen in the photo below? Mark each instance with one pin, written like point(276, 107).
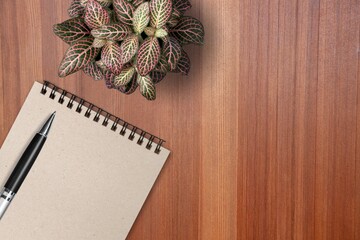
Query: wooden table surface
point(264, 132)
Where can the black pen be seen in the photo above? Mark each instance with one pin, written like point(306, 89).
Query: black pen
point(23, 166)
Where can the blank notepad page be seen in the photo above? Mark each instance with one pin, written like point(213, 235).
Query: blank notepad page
point(89, 182)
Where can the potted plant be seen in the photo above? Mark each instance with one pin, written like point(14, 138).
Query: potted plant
point(128, 43)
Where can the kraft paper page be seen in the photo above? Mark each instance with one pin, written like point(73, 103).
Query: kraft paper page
point(88, 182)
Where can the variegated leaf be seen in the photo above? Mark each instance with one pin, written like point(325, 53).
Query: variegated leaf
point(129, 48)
point(77, 56)
point(160, 33)
point(130, 87)
point(83, 2)
point(109, 79)
point(148, 55)
point(172, 52)
point(105, 3)
point(174, 18)
point(96, 15)
point(166, 29)
point(125, 76)
point(164, 40)
point(137, 3)
point(71, 30)
point(101, 65)
point(99, 43)
point(76, 9)
point(147, 87)
point(114, 31)
point(184, 64)
point(182, 5)
point(188, 30)
point(150, 31)
point(110, 56)
point(160, 12)
point(94, 71)
point(112, 16)
point(124, 11)
point(176, 13)
point(173, 22)
point(163, 65)
point(141, 17)
point(157, 76)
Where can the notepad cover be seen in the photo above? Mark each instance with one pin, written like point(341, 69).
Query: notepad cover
point(88, 182)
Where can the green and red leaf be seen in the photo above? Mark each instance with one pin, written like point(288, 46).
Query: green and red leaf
point(105, 3)
point(101, 65)
point(148, 55)
point(182, 5)
point(184, 64)
point(150, 31)
point(94, 71)
point(157, 76)
point(112, 15)
point(110, 56)
point(163, 65)
point(141, 17)
point(172, 51)
point(176, 13)
point(124, 11)
point(130, 87)
point(125, 76)
point(173, 22)
point(77, 56)
point(76, 9)
point(147, 87)
point(188, 30)
point(99, 43)
point(160, 12)
point(71, 30)
point(83, 2)
point(174, 18)
point(160, 33)
point(137, 3)
point(129, 48)
point(96, 15)
point(114, 31)
point(109, 79)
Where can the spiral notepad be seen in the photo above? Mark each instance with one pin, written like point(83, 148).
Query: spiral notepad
point(92, 177)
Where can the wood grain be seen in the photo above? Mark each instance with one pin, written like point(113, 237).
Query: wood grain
point(264, 132)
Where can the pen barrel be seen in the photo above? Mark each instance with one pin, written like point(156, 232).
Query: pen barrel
point(25, 163)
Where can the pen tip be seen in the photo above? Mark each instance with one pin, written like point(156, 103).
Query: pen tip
point(46, 128)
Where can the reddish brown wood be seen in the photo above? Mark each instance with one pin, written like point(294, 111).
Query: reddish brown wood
point(264, 132)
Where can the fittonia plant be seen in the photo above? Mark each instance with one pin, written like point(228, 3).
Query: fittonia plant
point(128, 43)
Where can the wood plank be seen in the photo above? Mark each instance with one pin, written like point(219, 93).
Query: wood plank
point(285, 119)
point(2, 89)
point(305, 118)
point(336, 135)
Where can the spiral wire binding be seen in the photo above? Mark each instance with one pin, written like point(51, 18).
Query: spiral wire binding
point(107, 116)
